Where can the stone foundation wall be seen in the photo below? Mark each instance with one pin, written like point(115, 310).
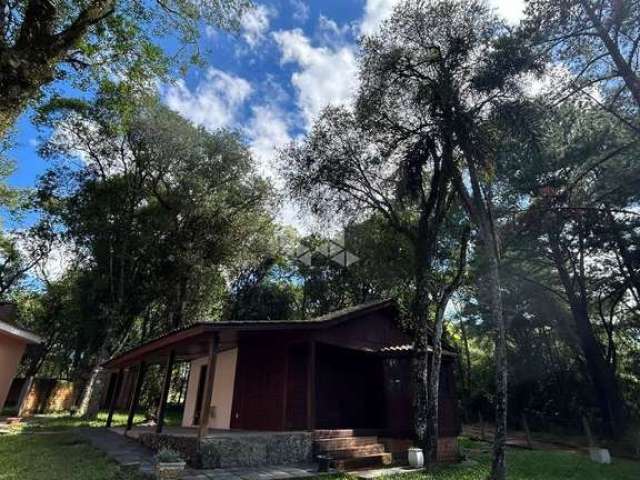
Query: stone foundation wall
point(186, 446)
point(256, 449)
point(236, 449)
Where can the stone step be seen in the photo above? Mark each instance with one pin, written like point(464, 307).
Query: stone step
point(377, 460)
point(329, 444)
point(356, 451)
point(342, 433)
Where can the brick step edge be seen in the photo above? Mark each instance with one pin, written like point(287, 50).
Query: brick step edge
point(355, 452)
point(344, 442)
point(343, 433)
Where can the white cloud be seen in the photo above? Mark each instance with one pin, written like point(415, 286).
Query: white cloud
point(511, 10)
point(255, 24)
point(268, 130)
point(214, 103)
point(327, 75)
point(376, 11)
point(300, 10)
point(56, 264)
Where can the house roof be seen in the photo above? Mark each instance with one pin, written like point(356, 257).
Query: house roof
point(200, 329)
point(19, 333)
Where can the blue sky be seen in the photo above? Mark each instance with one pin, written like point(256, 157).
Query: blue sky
point(290, 59)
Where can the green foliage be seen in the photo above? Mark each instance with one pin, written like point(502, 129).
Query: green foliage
point(157, 214)
point(167, 455)
point(90, 43)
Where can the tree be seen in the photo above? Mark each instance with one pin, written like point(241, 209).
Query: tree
point(456, 65)
point(391, 157)
point(599, 42)
point(44, 40)
point(573, 224)
point(157, 212)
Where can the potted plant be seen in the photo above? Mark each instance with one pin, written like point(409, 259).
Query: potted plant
point(169, 464)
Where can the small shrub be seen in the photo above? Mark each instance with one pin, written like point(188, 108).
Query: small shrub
point(167, 455)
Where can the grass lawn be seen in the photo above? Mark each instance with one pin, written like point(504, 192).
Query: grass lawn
point(31, 454)
point(537, 465)
point(56, 456)
point(60, 422)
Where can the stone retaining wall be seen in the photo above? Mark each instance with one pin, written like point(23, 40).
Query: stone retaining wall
point(256, 449)
point(187, 447)
point(246, 449)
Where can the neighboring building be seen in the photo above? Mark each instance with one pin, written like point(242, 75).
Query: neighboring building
point(349, 369)
point(13, 343)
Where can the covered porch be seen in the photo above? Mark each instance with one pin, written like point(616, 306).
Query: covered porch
point(274, 389)
point(184, 345)
point(342, 370)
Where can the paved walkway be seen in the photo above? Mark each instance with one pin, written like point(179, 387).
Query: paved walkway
point(276, 472)
point(126, 452)
point(131, 454)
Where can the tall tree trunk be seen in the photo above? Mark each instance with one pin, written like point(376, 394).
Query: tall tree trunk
point(479, 206)
point(421, 397)
point(31, 63)
point(421, 356)
point(467, 369)
point(498, 465)
point(603, 376)
point(436, 357)
point(92, 393)
point(624, 68)
point(434, 385)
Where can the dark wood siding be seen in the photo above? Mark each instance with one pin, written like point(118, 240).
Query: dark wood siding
point(296, 406)
point(355, 387)
point(350, 389)
point(259, 386)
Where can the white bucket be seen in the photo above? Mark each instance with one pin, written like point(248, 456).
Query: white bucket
point(416, 457)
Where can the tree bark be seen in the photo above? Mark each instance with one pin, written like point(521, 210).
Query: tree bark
point(630, 78)
point(92, 393)
point(479, 206)
point(436, 357)
point(498, 465)
point(603, 377)
point(421, 364)
point(32, 62)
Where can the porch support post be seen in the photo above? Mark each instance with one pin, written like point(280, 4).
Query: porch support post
point(311, 387)
point(136, 395)
point(203, 427)
point(114, 397)
point(165, 391)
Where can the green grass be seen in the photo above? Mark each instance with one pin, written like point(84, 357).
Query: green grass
point(55, 456)
point(526, 465)
point(534, 465)
point(65, 421)
point(31, 454)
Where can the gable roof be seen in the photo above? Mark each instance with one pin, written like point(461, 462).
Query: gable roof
point(199, 329)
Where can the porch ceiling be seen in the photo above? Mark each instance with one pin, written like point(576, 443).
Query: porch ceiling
point(187, 344)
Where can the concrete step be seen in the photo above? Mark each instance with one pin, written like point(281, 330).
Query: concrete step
point(343, 433)
point(369, 461)
point(328, 444)
point(356, 452)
